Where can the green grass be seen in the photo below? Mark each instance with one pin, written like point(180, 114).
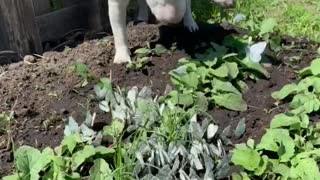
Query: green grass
point(294, 17)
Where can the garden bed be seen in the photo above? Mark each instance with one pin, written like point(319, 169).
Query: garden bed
point(44, 92)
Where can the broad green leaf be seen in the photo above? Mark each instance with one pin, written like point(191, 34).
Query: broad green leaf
point(159, 49)
point(250, 143)
point(58, 168)
point(142, 52)
point(306, 169)
point(262, 166)
point(210, 63)
point(71, 141)
point(219, 50)
point(180, 98)
point(316, 85)
point(281, 169)
point(241, 128)
point(304, 121)
point(282, 120)
point(305, 83)
point(267, 26)
point(235, 42)
point(269, 140)
point(221, 71)
point(255, 67)
point(315, 67)
point(278, 140)
point(236, 176)
point(30, 161)
point(220, 86)
point(307, 154)
point(246, 157)
point(81, 156)
point(11, 177)
point(203, 72)
point(115, 129)
point(190, 80)
point(201, 102)
point(232, 69)
point(284, 92)
point(305, 72)
point(309, 106)
point(100, 170)
point(230, 101)
point(299, 100)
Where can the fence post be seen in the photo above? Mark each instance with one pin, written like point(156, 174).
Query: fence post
point(19, 26)
point(98, 15)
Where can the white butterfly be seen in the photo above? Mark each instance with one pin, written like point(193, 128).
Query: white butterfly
point(255, 51)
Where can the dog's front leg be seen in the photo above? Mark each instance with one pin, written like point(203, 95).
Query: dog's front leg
point(118, 15)
point(188, 20)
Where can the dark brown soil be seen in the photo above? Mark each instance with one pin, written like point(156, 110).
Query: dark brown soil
point(41, 94)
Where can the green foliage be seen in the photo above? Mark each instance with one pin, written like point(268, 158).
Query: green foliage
point(290, 147)
point(294, 17)
point(82, 71)
point(164, 140)
point(216, 75)
point(304, 95)
point(78, 151)
point(143, 56)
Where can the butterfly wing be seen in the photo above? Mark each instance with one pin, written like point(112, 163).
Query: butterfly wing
point(255, 51)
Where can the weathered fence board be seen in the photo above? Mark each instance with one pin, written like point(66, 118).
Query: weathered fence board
point(98, 15)
point(55, 24)
point(26, 24)
point(18, 24)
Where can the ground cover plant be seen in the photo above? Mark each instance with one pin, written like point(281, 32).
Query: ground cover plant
point(294, 17)
point(170, 114)
point(290, 147)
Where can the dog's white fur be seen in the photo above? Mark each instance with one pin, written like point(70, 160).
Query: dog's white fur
point(165, 11)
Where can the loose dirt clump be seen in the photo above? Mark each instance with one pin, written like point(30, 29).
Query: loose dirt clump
point(42, 93)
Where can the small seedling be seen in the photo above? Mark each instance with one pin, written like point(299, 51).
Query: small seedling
point(82, 71)
point(139, 64)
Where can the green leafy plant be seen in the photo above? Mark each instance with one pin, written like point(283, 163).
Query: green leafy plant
point(79, 155)
point(216, 75)
point(290, 147)
point(139, 64)
point(82, 72)
point(163, 140)
point(288, 150)
point(305, 95)
point(144, 54)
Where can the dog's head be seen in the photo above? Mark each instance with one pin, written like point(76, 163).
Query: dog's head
point(226, 3)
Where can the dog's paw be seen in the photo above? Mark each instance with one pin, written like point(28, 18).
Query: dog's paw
point(122, 56)
point(190, 24)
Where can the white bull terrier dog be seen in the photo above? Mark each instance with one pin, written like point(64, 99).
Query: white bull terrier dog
point(165, 11)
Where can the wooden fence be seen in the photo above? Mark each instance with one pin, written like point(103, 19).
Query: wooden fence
point(26, 24)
